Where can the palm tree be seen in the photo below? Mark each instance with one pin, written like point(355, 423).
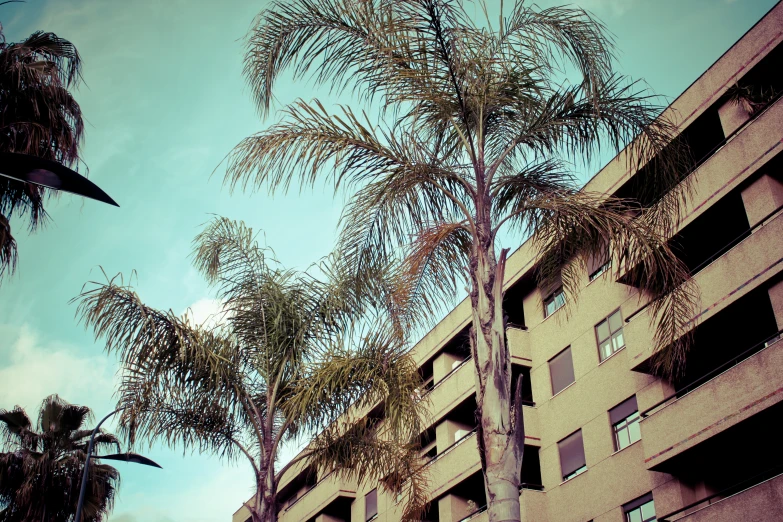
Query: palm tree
point(41, 468)
point(39, 117)
point(480, 129)
point(290, 354)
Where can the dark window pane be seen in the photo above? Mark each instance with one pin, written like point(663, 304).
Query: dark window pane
point(561, 368)
point(371, 504)
point(572, 453)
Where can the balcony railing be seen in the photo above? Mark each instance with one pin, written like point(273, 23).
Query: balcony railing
point(739, 487)
point(707, 377)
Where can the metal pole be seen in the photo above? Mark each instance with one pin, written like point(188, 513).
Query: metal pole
point(83, 489)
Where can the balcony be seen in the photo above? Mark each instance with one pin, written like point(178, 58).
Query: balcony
point(711, 406)
point(726, 278)
point(454, 464)
point(758, 503)
point(326, 492)
point(518, 343)
point(452, 389)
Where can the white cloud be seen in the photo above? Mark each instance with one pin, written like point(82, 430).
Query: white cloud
point(34, 368)
point(206, 312)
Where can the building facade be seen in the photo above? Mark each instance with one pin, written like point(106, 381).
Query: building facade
point(606, 440)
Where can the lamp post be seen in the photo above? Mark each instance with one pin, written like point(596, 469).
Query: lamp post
point(127, 457)
point(50, 174)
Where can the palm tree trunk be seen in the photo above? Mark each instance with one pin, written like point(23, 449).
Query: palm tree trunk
point(500, 446)
point(265, 505)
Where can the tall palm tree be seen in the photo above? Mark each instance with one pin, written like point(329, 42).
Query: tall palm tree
point(39, 117)
point(290, 354)
point(41, 467)
point(481, 124)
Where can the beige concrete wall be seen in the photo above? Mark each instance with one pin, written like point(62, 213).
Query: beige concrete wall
point(241, 515)
point(762, 197)
point(446, 433)
point(452, 508)
point(732, 116)
point(776, 298)
point(738, 393)
point(444, 364)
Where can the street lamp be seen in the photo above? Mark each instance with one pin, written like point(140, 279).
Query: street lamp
point(127, 457)
point(50, 174)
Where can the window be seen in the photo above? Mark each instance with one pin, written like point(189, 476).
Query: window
point(625, 423)
point(598, 264)
point(561, 370)
point(600, 270)
point(640, 510)
point(572, 455)
point(609, 334)
point(554, 302)
point(371, 505)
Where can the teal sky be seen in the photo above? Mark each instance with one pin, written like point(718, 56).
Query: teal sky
point(165, 101)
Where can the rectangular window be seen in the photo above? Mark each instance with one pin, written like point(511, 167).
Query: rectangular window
point(624, 419)
point(609, 334)
point(600, 270)
point(554, 302)
point(572, 455)
point(371, 505)
point(598, 264)
point(640, 510)
point(561, 370)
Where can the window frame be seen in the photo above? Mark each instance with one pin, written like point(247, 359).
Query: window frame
point(610, 338)
point(616, 430)
point(552, 298)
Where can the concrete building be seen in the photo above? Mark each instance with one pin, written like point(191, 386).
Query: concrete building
point(606, 440)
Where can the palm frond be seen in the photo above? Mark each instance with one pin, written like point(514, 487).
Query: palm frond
point(8, 252)
point(570, 227)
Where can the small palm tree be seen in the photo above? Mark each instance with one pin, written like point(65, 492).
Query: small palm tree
point(291, 353)
point(41, 468)
point(39, 117)
point(482, 130)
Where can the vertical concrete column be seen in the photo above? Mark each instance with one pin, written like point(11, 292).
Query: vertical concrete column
point(776, 298)
point(446, 431)
point(443, 364)
point(452, 508)
point(732, 115)
point(762, 197)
